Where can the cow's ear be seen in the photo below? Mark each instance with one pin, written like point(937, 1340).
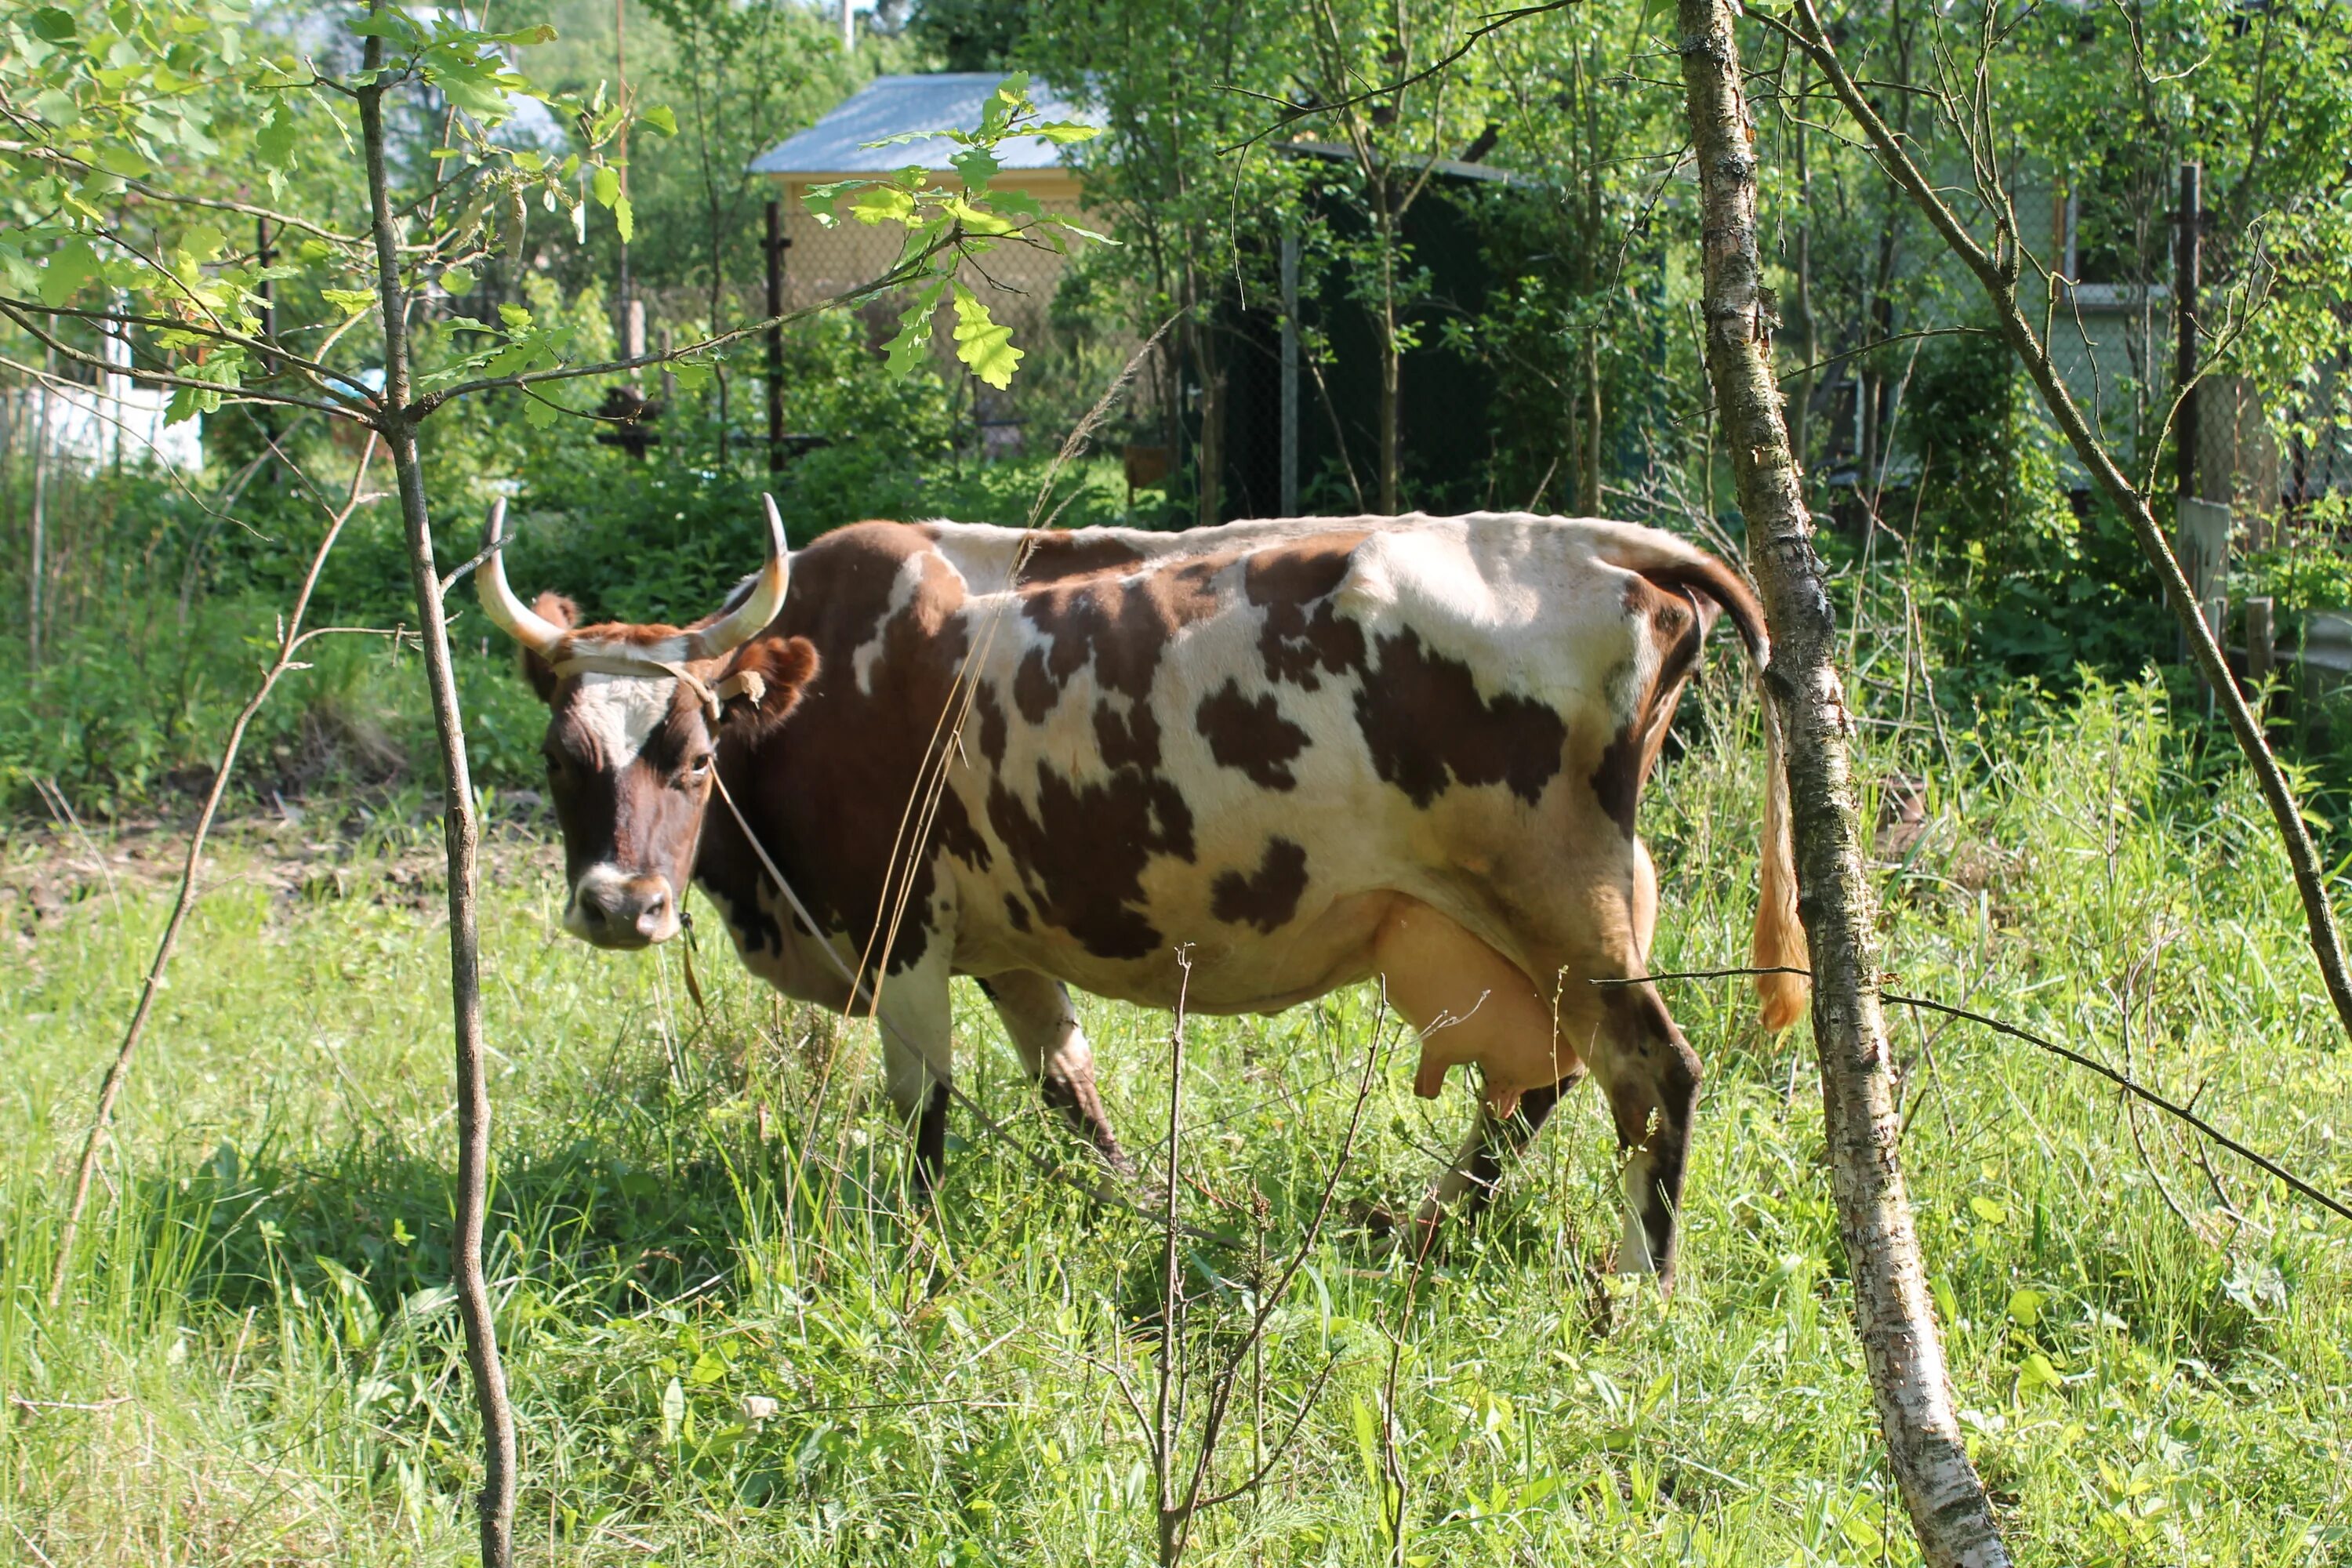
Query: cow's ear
point(561, 611)
point(785, 667)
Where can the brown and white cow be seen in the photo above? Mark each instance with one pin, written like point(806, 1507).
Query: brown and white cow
point(1306, 751)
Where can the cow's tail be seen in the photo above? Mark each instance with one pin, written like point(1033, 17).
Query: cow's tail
point(1780, 942)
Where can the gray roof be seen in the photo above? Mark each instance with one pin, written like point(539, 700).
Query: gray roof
point(894, 105)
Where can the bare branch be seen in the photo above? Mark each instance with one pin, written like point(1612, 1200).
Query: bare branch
point(290, 640)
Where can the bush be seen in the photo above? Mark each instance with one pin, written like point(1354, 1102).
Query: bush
point(2022, 582)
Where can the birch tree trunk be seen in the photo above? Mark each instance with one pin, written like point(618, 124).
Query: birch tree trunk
point(1893, 1318)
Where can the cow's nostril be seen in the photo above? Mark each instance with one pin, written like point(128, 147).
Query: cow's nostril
point(654, 914)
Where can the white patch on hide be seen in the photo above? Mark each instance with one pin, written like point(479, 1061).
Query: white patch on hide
point(903, 588)
point(620, 713)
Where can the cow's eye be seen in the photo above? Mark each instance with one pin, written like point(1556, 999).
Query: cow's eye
point(697, 769)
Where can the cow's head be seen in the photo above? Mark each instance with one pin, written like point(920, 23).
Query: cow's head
point(636, 714)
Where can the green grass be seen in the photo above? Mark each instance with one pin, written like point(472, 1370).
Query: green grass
point(256, 1362)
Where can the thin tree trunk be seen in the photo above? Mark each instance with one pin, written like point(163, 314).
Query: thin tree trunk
point(290, 638)
point(39, 568)
point(1587, 500)
point(1392, 363)
point(1900, 1342)
point(1996, 271)
point(1210, 454)
point(462, 847)
point(1809, 344)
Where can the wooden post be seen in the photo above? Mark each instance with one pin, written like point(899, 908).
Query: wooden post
point(776, 243)
point(2188, 516)
point(1290, 375)
point(2261, 645)
point(2185, 268)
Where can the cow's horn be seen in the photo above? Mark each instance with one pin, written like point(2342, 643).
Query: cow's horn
point(510, 614)
point(751, 618)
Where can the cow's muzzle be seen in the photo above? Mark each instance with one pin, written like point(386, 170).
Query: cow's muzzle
point(612, 909)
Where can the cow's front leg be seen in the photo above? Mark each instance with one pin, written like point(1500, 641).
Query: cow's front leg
point(1045, 1030)
point(919, 1057)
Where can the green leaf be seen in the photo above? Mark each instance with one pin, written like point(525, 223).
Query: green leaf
point(458, 281)
point(516, 318)
point(349, 302)
point(625, 218)
point(604, 184)
point(386, 22)
point(660, 117)
point(57, 109)
point(903, 355)
point(982, 343)
point(542, 34)
point(73, 264)
point(978, 165)
point(692, 374)
point(1367, 1427)
point(2035, 1372)
point(1985, 1210)
point(202, 241)
point(477, 89)
point(116, 159)
point(1862, 1535)
point(538, 413)
point(2025, 1306)
point(673, 1410)
point(53, 24)
point(1063, 131)
point(975, 220)
point(274, 139)
point(882, 204)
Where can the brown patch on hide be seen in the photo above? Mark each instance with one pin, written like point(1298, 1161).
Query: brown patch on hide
point(1267, 898)
point(1122, 626)
point(1083, 854)
point(1428, 729)
point(1054, 555)
point(991, 723)
point(1127, 740)
point(1303, 637)
point(1034, 692)
point(1251, 736)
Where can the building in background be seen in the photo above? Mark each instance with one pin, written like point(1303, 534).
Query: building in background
point(1016, 281)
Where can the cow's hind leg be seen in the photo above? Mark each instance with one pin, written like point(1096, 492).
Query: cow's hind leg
point(1651, 1077)
point(1053, 1051)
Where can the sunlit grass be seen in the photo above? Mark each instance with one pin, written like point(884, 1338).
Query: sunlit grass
point(256, 1362)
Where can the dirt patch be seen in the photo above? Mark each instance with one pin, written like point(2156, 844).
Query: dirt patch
point(52, 874)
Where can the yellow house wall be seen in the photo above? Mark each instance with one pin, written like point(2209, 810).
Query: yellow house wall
point(1018, 282)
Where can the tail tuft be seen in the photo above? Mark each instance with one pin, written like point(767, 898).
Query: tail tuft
point(1779, 934)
